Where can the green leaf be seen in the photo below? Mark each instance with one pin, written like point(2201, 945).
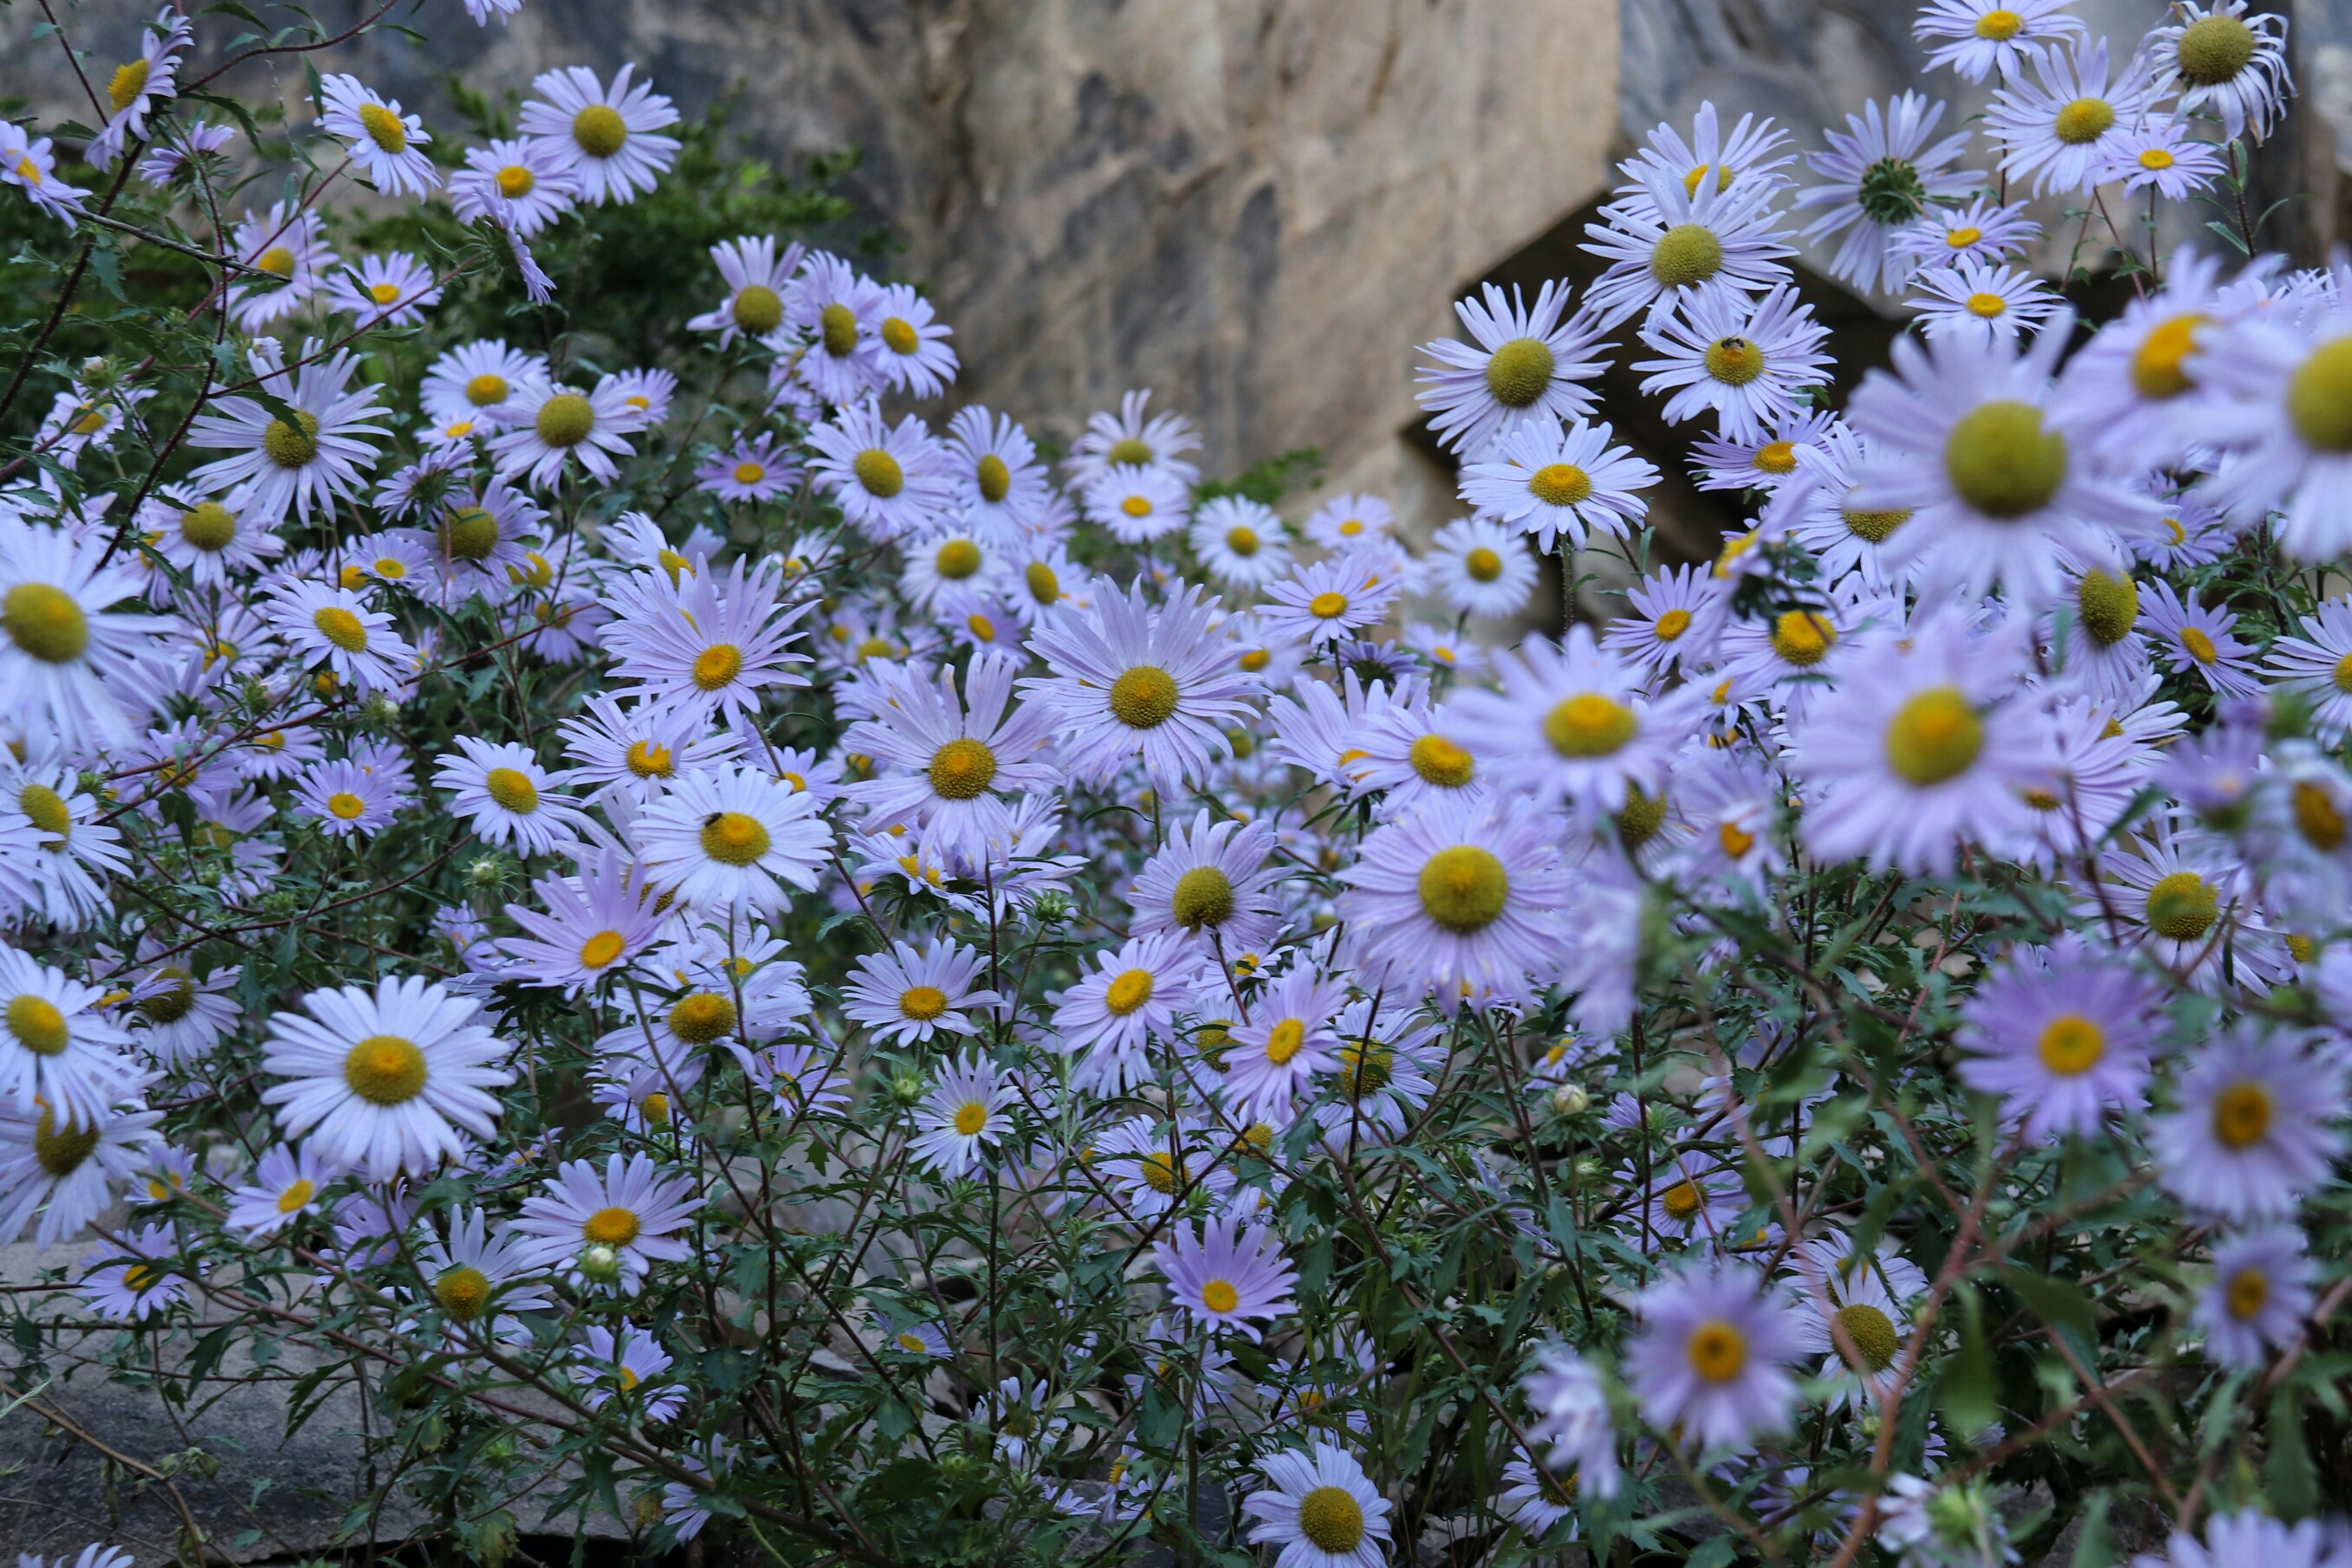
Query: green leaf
point(1715, 1551)
point(2293, 1481)
point(1966, 1393)
point(2060, 1303)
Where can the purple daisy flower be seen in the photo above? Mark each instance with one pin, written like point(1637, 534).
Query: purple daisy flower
point(1227, 1274)
point(2251, 1131)
point(1710, 1357)
point(2261, 1293)
point(2061, 1035)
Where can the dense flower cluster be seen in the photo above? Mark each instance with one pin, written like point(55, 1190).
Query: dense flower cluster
point(914, 997)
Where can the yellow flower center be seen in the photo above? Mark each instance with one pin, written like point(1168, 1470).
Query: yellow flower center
point(648, 761)
point(292, 446)
point(2002, 462)
point(2156, 158)
point(1328, 606)
point(962, 770)
point(1285, 1040)
point(171, 1006)
point(1735, 361)
point(2248, 1292)
point(1682, 1201)
point(385, 1070)
point(1518, 373)
point(2183, 907)
point(1932, 737)
point(1135, 506)
point(1242, 541)
point(2242, 1115)
point(512, 789)
point(2317, 816)
point(1737, 841)
point(1717, 1351)
point(2108, 607)
point(1986, 306)
point(1671, 625)
point(46, 810)
point(209, 526)
point(994, 480)
point(1802, 637)
point(2213, 50)
point(612, 1226)
point(61, 1151)
point(1331, 1519)
point(1143, 698)
point(1133, 453)
point(486, 389)
point(1559, 484)
point(1130, 991)
point(1463, 888)
point(749, 473)
point(277, 258)
point(1685, 255)
point(1483, 564)
point(466, 533)
point(2199, 645)
point(1999, 26)
point(1589, 725)
point(1440, 762)
point(970, 1117)
point(2319, 397)
point(717, 666)
point(130, 79)
point(1777, 458)
point(702, 1017)
point(1043, 584)
point(1640, 820)
point(1871, 1334)
point(1960, 238)
point(1873, 527)
point(2084, 121)
point(734, 838)
point(1204, 896)
point(515, 181)
point(757, 309)
point(923, 1003)
point(879, 473)
point(384, 128)
point(599, 130)
point(838, 325)
point(600, 949)
point(1219, 1296)
point(39, 1025)
point(900, 336)
point(565, 419)
point(44, 622)
point(957, 559)
point(2071, 1045)
point(293, 1198)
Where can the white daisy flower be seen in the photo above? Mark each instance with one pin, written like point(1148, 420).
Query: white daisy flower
point(889, 481)
point(608, 1229)
point(1458, 904)
point(607, 136)
point(1745, 360)
point(1131, 995)
point(2316, 666)
point(1670, 244)
point(1132, 680)
point(633, 751)
point(1906, 767)
point(478, 1280)
point(1136, 504)
point(130, 1278)
point(999, 479)
point(285, 1185)
point(1993, 488)
point(1982, 299)
point(393, 1081)
point(211, 541)
point(139, 85)
point(1572, 726)
point(307, 465)
point(508, 796)
point(548, 423)
point(1746, 156)
point(1481, 568)
point(963, 1118)
point(1159, 443)
point(393, 290)
point(1212, 884)
point(1984, 230)
point(1993, 37)
point(1559, 483)
point(66, 1170)
point(1240, 542)
point(2194, 640)
point(704, 643)
point(522, 184)
point(950, 761)
point(2284, 404)
point(1320, 1509)
point(476, 381)
point(68, 656)
point(1329, 600)
point(911, 344)
point(2162, 156)
point(381, 141)
point(837, 310)
point(1526, 366)
point(2063, 129)
point(731, 838)
point(334, 627)
point(288, 245)
point(2223, 60)
point(57, 1048)
point(758, 278)
point(910, 996)
point(1880, 176)
point(1349, 522)
point(957, 565)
